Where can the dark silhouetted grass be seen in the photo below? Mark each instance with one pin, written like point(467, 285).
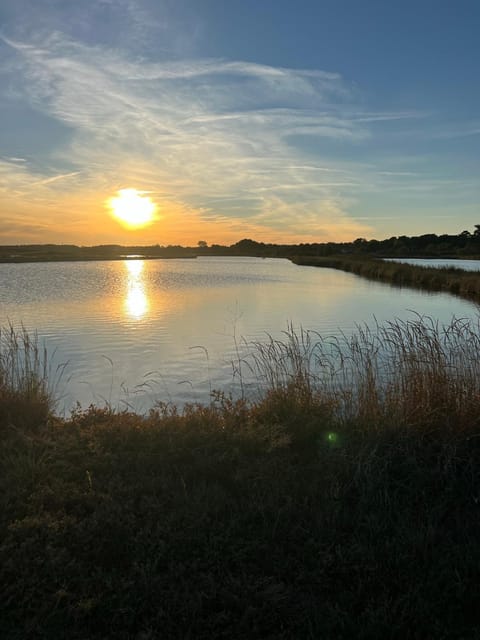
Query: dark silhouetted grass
point(344, 502)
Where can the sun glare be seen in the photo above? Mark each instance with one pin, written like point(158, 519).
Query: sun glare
point(132, 209)
point(136, 301)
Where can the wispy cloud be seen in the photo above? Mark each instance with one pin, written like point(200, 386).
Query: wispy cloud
point(194, 131)
point(61, 176)
point(388, 117)
point(225, 143)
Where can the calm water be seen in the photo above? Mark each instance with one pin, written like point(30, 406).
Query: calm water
point(139, 331)
point(466, 265)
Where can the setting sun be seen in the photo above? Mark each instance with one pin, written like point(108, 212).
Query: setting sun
point(132, 209)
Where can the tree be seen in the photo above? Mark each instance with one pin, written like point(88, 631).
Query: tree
point(202, 244)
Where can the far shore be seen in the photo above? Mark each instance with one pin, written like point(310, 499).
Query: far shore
point(465, 246)
point(99, 258)
point(465, 284)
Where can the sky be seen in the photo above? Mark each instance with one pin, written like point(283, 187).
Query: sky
point(279, 121)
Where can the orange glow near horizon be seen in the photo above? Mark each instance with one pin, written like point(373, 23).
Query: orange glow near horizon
point(131, 209)
point(93, 219)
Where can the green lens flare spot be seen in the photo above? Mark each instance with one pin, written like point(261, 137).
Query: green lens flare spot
point(332, 437)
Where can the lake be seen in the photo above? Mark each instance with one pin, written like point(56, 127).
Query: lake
point(138, 331)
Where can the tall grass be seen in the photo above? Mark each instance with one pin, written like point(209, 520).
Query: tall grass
point(410, 373)
point(407, 373)
point(26, 398)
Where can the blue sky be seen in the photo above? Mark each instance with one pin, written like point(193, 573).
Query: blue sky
point(279, 121)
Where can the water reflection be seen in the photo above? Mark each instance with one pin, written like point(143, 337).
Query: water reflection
point(136, 301)
point(146, 315)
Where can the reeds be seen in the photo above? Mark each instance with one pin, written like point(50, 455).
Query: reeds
point(407, 373)
point(404, 373)
point(465, 284)
point(26, 398)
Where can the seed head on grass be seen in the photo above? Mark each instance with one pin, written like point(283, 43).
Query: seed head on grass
point(25, 398)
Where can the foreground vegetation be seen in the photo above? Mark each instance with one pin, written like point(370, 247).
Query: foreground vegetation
point(343, 502)
point(447, 279)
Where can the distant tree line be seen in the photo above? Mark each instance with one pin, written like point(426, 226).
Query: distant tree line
point(465, 244)
point(430, 245)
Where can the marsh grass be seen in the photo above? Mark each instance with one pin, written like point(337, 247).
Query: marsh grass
point(27, 393)
point(408, 373)
point(343, 501)
point(465, 284)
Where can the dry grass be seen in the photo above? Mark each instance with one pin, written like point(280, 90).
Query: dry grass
point(414, 373)
point(26, 398)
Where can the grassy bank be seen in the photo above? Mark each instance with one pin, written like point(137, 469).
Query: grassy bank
point(342, 503)
point(448, 279)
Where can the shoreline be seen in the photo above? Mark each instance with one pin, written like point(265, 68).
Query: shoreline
point(457, 282)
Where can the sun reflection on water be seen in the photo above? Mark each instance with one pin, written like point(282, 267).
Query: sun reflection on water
point(136, 300)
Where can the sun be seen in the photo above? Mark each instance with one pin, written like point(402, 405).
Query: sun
point(132, 209)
